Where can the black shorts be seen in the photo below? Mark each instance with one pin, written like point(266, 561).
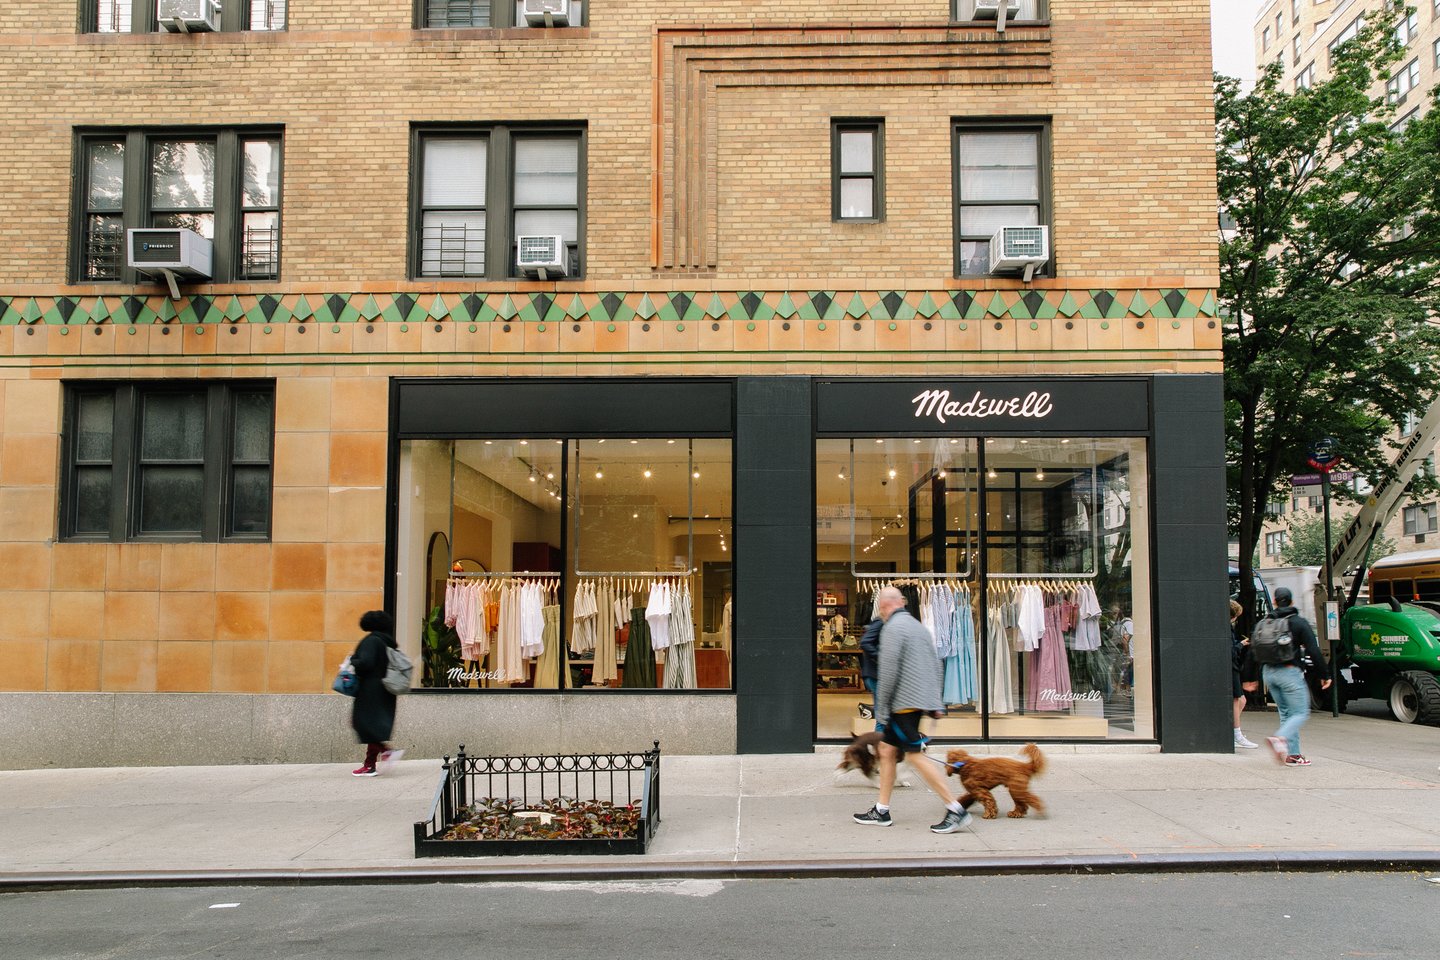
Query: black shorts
point(902, 731)
point(1236, 691)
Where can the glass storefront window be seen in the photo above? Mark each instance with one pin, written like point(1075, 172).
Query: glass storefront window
point(1062, 551)
point(540, 559)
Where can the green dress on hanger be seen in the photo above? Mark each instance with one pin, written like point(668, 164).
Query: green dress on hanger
point(639, 655)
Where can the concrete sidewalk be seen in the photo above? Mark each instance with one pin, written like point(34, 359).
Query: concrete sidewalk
point(1371, 799)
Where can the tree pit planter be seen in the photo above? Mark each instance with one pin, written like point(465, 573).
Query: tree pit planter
point(597, 804)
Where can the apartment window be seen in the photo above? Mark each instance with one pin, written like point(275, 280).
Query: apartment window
point(1422, 518)
point(1295, 50)
point(1275, 509)
point(1295, 12)
point(1021, 10)
point(1399, 126)
point(857, 158)
point(480, 188)
point(223, 184)
point(1435, 49)
point(1265, 39)
point(1001, 174)
point(1407, 29)
point(1275, 542)
point(1305, 79)
point(450, 14)
point(139, 16)
point(1279, 22)
point(1351, 31)
point(1403, 82)
point(168, 461)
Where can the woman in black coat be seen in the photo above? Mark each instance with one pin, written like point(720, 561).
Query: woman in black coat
point(373, 713)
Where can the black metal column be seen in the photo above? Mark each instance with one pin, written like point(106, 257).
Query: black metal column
point(1192, 585)
point(774, 564)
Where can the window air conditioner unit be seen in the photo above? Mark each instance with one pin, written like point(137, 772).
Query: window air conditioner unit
point(1019, 248)
point(175, 254)
point(546, 13)
point(990, 9)
point(188, 16)
point(545, 257)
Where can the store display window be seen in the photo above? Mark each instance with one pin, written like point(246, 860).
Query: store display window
point(1026, 558)
point(561, 563)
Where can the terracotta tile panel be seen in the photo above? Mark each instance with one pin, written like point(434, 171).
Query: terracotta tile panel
point(335, 653)
point(240, 667)
point(128, 665)
point(72, 665)
point(32, 406)
point(357, 459)
point(301, 460)
point(78, 566)
point(356, 515)
point(187, 616)
point(295, 668)
point(360, 403)
point(300, 514)
point(242, 616)
point(297, 616)
point(76, 615)
point(29, 459)
point(342, 615)
point(298, 566)
point(27, 513)
point(24, 665)
point(302, 404)
point(187, 566)
point(133, 566)
point(25, 566)
point(242, 566)
point(26, 615)
point(132, 615)
point(354, 566)
point(184, 667)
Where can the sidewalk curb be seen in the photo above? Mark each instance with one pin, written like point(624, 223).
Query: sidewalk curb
point(1227, 862)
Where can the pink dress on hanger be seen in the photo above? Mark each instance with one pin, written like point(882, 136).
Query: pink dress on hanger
point(1049, 666)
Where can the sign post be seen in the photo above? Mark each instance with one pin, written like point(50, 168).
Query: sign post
point(1323, 456)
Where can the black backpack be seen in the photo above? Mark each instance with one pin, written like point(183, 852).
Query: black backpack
point(1272, 643)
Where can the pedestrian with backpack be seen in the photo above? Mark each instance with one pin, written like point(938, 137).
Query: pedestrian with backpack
point(373, 714)
point(1284, 645)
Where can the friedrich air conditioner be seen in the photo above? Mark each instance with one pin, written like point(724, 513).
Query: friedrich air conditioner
point(175, 254)
point(990, 9)
point(544, 256)
point(1019, 248)
point(546, 13)
point(188, 16)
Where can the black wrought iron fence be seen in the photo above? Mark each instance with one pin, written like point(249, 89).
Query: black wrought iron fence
point(570, 803)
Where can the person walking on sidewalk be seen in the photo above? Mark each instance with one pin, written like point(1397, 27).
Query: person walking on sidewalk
point(909, 687)
point(1286, 682)
point(373, 713)
point(1240, 662)
point(870, 663)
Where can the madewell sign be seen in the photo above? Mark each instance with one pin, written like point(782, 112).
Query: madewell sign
point(937, 404)
point(951, 406)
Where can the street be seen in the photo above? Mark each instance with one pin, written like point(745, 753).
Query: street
point(1132, 916)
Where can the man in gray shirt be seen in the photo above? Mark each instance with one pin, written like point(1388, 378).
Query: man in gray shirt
point(911, 678)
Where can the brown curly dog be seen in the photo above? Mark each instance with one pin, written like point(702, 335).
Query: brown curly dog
point(980, 775)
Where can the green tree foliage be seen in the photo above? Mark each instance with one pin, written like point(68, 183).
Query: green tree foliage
point(1305, 540)
point(1328, 283)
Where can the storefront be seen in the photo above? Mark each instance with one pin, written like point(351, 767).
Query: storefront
point(716, 544)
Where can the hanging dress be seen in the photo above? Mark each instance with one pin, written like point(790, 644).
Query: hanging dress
point(639, 655)
point(680, 673)
point(547, 665)
point(1002, 689)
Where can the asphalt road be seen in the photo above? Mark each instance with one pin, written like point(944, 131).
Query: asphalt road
point(1266, 916)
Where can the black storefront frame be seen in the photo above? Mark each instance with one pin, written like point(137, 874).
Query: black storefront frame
point(432, 408)
point(873, 405)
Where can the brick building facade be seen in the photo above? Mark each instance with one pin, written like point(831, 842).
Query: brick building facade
point(702, 195)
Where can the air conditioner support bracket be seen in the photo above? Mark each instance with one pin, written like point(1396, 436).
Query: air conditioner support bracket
point(1000, 12)
point(174, 285)
point(1030, 271)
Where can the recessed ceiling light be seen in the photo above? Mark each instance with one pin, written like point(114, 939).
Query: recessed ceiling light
point(669, 441)
point(599, 441)
point(599, 474)
point(696, 474)
point(647, 473)
point(524, 443)
point(634, 441)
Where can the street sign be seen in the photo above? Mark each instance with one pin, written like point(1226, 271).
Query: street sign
point(1323, 454)
point(1313, 479)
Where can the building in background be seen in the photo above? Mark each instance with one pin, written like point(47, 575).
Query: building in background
point(647, 341)
point(1303, 35)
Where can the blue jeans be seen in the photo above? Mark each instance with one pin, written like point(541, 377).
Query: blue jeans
point(1292, 696)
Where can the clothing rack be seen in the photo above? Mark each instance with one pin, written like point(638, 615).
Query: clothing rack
point(516, 574)
point(652, 574)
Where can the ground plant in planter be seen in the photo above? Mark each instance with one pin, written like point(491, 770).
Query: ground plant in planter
point(564, 819)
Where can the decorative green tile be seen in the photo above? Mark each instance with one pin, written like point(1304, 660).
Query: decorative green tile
point(31, 311)
point(996, 307)
point(1020, 310)
point(370, 309)
point(1207, 309)
point(8, 317)
point(1067, 305)
point(303, 311)
point(1139, 306)
point(100, 310)
point(646, 310)
point(506, 308)
point(1160, 309)
point(576, 310)
point(857, 308)
point(786, 308)
point(810, 309)
point(1188, 310)
point(234, 310)
point(1047, 308)
point(402, 308)
point(715, 307)
point(686, 305)
point(61, 310)
point(165, 310)
point(978, 306)
point(539, 308)
point(439, 310)
point(624, 312)
point(926, 307)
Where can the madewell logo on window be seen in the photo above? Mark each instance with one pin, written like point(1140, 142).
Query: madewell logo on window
point(937, 404)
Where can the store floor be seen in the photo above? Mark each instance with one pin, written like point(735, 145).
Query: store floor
point(837, 717)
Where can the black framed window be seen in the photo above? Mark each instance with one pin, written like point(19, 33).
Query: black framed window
point(139, 16)
point(1001, 180)
point(223, 184)
point(452, 14)
point(857, 170)
point(168, 461)
point(1017, 10)
point(478, 189)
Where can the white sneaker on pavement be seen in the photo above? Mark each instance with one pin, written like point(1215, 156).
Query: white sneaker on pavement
point(1241, 741)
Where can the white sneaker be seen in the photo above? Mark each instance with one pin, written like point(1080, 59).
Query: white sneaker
point(1241, 741)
